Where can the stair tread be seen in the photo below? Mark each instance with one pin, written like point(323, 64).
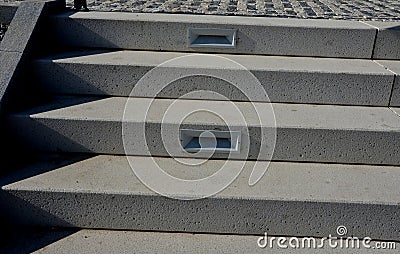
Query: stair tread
point(109, 241)
point(286, 115)
point(392, 65)
point(117, 241)
point(284, 181)
point(251, 62)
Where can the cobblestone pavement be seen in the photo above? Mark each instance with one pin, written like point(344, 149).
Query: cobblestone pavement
point(383, 10)
point(330, 9)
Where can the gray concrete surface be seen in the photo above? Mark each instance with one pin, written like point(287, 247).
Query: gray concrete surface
point(387, 41)
point(285, 79)
point(9, 63)
point(3, 30)
point(148, 242)
point(17, 43)
point(109, 241)
point(299, 199)
point(291, 199)
point(21, 29)
point(12, 46)
point(320, 133)
point(256, 35)
point(393, 66)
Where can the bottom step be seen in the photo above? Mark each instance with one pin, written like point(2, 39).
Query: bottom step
point(103, 241)
point(305, 199)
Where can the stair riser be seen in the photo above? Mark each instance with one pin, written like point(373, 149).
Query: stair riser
point(281, 86)
point(394, 66)
point(237, 216)
point(387, 40)
point(254, 35)
point(292, 144)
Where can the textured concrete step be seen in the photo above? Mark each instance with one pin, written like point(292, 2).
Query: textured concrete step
point(387, 40)
point(109, 241)
point(319, 133)
point(285, 79)
point(295, 199)
point(394, 67)
point(255, 35)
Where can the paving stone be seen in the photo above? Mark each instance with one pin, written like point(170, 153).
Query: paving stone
point(379, 10)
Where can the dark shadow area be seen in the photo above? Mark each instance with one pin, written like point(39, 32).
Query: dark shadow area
point(40, 164)
point(69, 37)
point(3, 30)
point(16, 213)
point(7, 11)
point(28, 240)
point(65, 135)
point(17, 137)
point(54, 103)
point(77, 53)
point(20, 89)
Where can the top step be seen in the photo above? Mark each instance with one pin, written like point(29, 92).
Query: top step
point(216, 34)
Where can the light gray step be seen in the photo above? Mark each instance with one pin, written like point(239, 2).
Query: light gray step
point(293, 199)
point(394, 67)
point(255, 35)
point(387, 40)
point(285, 79)
point(109, 241)
point(319, 133)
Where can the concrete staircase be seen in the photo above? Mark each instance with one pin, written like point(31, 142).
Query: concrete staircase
point(329, 124)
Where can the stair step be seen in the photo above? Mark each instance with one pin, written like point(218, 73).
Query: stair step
point(285, 79)
point(387, 40)
point(255, 35)
point(393, 66)
point(299, 199)
point(109, 241)
point(319, 133)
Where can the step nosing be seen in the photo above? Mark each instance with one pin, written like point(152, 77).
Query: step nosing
point(381, 119)
point(107, 174)
point(120, 120)
point(300, 66)
point(85, 191)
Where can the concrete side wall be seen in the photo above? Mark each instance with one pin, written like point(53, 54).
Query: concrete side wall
point(16, 48)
